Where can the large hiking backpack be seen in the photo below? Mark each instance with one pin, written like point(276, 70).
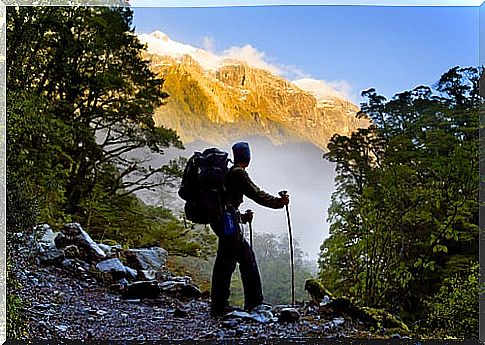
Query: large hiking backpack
point(203, 185)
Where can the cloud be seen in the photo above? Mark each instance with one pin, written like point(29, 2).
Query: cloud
point(326, 89)
point(252, 57)
point(160, 43)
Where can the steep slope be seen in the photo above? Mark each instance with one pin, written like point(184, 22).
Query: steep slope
point(231, 100)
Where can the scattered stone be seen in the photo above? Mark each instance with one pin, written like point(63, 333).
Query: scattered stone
point(333, 324)
point(396, 336)
point(101, 312)
point(141, 290)
point(62, 328)
point(289, 315)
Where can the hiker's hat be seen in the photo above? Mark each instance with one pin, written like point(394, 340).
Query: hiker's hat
point(241, 152)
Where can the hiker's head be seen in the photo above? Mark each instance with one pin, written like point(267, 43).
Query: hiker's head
point(241, 152)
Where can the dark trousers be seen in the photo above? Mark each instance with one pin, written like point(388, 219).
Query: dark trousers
point(234, 249)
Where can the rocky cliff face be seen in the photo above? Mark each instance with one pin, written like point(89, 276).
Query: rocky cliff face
point(235, 101)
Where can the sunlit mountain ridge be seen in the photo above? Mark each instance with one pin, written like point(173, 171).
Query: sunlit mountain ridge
point(219, 99)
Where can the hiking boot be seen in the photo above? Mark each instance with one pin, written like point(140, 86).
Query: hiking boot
point(218, 312)
point(260, 307)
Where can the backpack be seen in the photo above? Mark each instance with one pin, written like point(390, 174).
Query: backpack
point(203, 185)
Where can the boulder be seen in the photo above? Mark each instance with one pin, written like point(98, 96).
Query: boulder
point(72, 252)
point(181, 289)
point(146, 275)
point(289, 315)
point(110, 251)
point(48, 235)
point(141, 290)
point(74, 234)
point(116, 268)
point(153, 258)
point(190, 291)
point(51, 256)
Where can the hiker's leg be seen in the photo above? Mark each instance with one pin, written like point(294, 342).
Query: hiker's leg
point(253, 294)
point(224, 267)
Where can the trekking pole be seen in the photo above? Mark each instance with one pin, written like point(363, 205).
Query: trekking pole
point(283, 193)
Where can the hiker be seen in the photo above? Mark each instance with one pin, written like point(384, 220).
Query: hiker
point(233, 248)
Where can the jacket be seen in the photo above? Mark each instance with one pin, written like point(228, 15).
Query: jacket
point(237, 184)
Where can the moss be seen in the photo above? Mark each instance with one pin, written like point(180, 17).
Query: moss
point(387, 321)
point(17, 327)
point(316, 289)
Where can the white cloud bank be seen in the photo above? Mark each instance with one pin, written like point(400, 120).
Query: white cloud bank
point(159, 43)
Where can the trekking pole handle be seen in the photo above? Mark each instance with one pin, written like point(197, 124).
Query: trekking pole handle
point(283, 193)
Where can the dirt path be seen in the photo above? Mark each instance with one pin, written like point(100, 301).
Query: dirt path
point(64, 307)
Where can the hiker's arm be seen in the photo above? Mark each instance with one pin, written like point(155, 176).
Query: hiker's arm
point(253, 192)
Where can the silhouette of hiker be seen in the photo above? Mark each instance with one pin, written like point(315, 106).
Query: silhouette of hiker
point(233, 248)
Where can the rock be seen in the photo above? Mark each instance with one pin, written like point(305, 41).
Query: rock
point(153, 258)
point(51, 256)
point(182, 279)
point(289, 315)
point(230, 323)
point(183, 289)
point(101, 312)
point(110, 251)
point(48, 235)
point(116, 268)
point(190, 291)
point(142, 290)
point(146, 275)
point(236, 314)
point(333, 324)
point(277, 308)
point(325, 301)
point(396, 336)
point(76, 235)
point(72, 251)
point(61, 328)
point(180, 313)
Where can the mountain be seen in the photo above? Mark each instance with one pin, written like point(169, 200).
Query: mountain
point(219, 100)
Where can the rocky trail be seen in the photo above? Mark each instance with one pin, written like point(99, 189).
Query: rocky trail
point(68, 298)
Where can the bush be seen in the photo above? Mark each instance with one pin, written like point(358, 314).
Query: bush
point(453, 311)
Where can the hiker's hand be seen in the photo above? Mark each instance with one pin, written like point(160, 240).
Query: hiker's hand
point(248, 216)
point(285, 199)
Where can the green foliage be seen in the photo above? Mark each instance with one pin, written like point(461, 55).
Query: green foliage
point(453, 310)
point(84, 103)
point(406, 199)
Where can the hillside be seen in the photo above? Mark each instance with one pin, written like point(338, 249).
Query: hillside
point(229, 99)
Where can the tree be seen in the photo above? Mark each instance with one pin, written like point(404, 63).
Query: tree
point(405, 213)
point(273, 258)
point(82, 69)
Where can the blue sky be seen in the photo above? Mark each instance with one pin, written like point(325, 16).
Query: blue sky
point(389, 48)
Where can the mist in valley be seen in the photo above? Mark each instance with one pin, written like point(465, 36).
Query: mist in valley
point(296, 167)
